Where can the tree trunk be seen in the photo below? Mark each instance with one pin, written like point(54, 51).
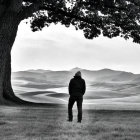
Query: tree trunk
point(2, 71)
point(8, 31)
point(7, 87)
point(8, 93)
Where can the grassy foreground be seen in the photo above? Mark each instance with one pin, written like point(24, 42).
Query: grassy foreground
point(32, 123)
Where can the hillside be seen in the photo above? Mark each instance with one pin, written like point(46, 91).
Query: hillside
point(63, 77)
point(104, 86)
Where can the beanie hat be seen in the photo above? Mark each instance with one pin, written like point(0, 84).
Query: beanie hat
point(78, 73)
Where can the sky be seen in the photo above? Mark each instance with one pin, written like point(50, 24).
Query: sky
point(60, 48)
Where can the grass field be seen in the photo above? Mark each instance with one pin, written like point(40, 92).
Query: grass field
point(37, 123)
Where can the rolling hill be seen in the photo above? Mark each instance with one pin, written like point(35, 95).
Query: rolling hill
point(63, 77)
point(104, 87)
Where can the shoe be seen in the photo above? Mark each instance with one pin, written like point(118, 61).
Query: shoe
point(79, 121)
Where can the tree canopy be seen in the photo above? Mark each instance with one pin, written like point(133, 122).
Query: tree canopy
point(108, 17)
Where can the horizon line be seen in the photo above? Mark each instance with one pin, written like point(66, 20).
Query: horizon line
point(75, 68)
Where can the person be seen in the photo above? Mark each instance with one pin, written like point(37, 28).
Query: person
point(77, 88)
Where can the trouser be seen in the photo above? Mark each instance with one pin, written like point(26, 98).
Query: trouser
point(79, 101)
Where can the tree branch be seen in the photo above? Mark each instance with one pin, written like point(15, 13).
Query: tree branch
point(28, 11)
point(68, 14)
point(15, 6)
point(135, 3)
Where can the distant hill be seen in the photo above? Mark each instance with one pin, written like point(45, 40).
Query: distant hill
point(62, 77)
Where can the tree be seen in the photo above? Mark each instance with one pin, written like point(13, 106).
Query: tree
point(95, 17)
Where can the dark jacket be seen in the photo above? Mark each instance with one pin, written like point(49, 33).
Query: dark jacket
point(77, 86)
